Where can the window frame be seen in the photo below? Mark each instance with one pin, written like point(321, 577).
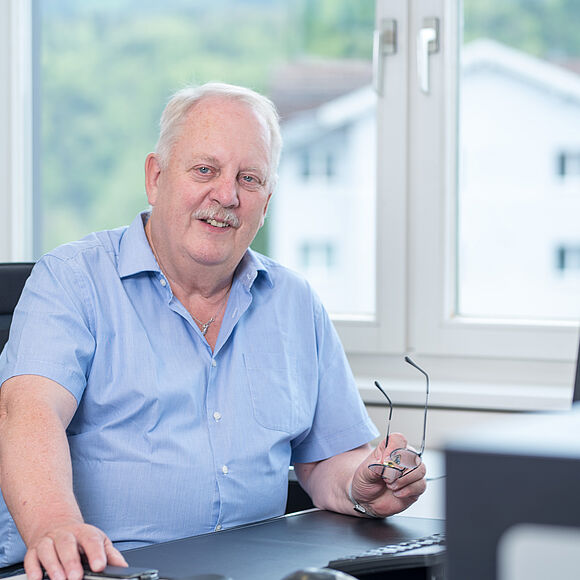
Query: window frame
point(16, 140)
point(463, 353)
point(415, 217)
point(435, 327)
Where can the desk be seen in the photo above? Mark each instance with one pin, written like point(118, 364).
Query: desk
point(272, 549)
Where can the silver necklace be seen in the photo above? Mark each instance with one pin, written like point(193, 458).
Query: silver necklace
point(204, 326)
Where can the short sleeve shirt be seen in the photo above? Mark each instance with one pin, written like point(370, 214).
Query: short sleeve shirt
point(169, 438)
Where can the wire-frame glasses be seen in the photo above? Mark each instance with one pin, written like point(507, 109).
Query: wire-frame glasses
point(403, 461)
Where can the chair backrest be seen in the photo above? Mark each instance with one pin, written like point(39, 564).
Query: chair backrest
point(13, 276)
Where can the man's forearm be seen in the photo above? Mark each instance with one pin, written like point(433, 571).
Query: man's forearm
point(35, 470)
point(327, 482)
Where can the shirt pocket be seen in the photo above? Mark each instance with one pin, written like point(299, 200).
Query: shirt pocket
point(272, 382)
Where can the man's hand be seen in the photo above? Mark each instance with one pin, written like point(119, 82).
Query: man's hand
point(36, 476)
point(58, 552)
point(377, 495)
point(329, 481)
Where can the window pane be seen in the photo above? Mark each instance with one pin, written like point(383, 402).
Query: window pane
point(107, 67)
point(519, 153)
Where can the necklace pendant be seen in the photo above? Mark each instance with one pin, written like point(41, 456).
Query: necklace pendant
point(205, 326)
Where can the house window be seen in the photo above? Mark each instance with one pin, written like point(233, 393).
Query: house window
point(568, 164)
point(568, 258)
point(447, 243)
point(319, 255)
point(315, 162)
point(330, 165)
point(305, 165)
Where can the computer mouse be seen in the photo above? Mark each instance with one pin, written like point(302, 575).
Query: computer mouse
point(318, 574)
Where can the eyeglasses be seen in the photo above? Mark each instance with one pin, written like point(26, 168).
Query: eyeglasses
point(401, 462)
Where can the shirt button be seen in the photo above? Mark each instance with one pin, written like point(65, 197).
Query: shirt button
point(163, 282)
point(217, 416)
point(213, 362)
point(225, 469)
point(218, 527)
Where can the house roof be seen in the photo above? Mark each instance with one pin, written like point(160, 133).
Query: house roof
point(487, 54)
point(315, 97)
point(306, 84)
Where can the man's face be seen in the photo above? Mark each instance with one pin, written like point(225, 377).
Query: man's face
point(211, 198)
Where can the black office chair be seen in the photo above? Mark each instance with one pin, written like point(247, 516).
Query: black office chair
point(298, 499)
point(13, 275)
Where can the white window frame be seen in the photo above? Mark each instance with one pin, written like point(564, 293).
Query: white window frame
point(507, 364)
point(16, 168)
point(480, 361)
point(434, 327)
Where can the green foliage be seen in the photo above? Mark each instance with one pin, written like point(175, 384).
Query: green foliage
point(108, 66)
point(545, 28)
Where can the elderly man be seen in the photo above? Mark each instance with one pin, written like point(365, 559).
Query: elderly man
point(160, 378)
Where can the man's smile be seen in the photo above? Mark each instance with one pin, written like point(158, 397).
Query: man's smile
point(217, 224)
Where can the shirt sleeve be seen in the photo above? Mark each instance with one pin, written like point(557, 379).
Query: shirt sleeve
point(341, 422)
point(50, 333)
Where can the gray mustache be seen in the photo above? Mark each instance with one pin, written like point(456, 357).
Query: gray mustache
point(219, 215)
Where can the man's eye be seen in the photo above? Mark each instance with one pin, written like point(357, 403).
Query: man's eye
point(204, 170)
point(250, 180)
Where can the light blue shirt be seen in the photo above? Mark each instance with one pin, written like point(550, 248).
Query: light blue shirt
point(171, 439)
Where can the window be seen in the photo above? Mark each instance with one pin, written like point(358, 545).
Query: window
point(506, 189)
point(568, 259)
point(311, 58)
point(453, 245)
point(482, 185)
point(318, 255)
point(568, 164)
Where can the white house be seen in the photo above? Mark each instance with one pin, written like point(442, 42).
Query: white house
point(519, 176)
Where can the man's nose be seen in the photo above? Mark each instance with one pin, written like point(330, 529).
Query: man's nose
point(225, 191)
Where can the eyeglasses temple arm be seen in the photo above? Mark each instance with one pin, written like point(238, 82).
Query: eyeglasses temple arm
point(414, 364)
point(390, 412)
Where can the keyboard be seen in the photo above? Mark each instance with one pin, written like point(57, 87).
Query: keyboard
point(426, 552)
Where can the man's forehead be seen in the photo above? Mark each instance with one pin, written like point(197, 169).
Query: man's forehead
point(212, 133)
point(214, 108)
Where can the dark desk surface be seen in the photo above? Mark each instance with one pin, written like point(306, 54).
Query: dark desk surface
point(272, 549)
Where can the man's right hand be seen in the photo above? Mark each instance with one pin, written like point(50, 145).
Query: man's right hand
point(37, 485)
point(58, 552)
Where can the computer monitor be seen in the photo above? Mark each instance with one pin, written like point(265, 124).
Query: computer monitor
point(512, 500)
point(576, 392)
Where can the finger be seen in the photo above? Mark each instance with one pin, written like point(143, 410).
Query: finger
point(48, 559)
point(32, 566)
point(114, 557)
point(66, 549)
point(92, 542)
point(397, 441)
point(409, 478)
point(414, 489)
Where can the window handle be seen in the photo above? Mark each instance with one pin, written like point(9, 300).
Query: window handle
point(427, 43)
point(384, 44)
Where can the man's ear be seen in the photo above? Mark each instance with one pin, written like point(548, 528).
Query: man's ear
point(152, 173)
point(265, 210)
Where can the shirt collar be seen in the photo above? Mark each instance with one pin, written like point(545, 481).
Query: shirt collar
point(135, 256)
point(250, 266)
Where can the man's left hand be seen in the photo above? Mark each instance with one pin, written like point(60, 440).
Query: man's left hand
point(379, 497)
